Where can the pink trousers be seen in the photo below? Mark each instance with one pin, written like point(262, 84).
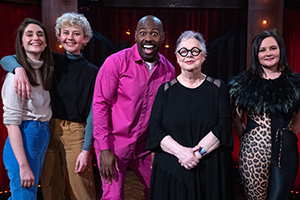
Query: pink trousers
point(140, 166)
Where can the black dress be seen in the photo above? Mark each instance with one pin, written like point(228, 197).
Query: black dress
point(188, 115)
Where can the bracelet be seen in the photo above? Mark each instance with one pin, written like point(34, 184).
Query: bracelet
point(202, 151)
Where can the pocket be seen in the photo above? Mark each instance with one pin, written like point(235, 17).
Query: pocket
point(77, 130)
point(77, 127)
point(24, 125)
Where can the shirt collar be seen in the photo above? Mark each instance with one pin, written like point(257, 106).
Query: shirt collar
point(138, 58)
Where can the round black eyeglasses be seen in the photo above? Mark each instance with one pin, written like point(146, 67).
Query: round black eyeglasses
point(195, 51)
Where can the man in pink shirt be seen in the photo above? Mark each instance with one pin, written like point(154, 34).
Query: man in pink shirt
point(125, 89)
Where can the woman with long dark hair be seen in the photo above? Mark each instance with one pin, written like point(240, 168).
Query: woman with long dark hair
point(269, 95)
point(27, 119)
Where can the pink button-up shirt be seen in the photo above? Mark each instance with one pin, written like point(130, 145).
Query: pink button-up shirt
point(123, 97)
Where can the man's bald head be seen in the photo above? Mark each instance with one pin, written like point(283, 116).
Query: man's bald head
point(149, 36)
point(147, 18)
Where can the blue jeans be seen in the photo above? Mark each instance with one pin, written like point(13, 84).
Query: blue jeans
point(35, 137)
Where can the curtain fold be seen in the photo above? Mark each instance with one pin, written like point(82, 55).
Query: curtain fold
point(291, 32)
point(212, 23)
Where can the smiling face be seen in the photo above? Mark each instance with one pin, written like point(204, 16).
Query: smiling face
point(269, 54)
point(189, 62)
point(72, 39)
point(149, 37)
point(34, 41)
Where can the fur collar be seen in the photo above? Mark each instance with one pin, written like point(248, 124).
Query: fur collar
point(258, 95)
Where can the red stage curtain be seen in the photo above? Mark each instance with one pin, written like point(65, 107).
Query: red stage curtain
point(291, 32)
point(11, 16)
point(212, 23)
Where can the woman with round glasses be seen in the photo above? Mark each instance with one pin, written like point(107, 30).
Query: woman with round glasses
point(190, 131)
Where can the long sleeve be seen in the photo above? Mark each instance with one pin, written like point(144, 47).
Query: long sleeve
point(223, 129)
point(17, 110)
point(9, 63)
point(13, 105)
point(88, 136)
point(156, 131)
point(105, 88)
point(123, 97)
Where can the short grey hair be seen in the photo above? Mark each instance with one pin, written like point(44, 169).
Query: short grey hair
point(191, 35)
point(74, 19)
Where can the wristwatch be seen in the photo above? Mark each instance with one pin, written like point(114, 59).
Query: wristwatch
point(202, 151)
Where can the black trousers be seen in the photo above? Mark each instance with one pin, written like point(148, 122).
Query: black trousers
point(284, 166)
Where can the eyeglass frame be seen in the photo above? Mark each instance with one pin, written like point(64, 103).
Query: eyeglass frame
point(189, 50)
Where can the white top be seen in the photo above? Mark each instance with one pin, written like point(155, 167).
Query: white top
point(16, 110)
point(150, 66)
